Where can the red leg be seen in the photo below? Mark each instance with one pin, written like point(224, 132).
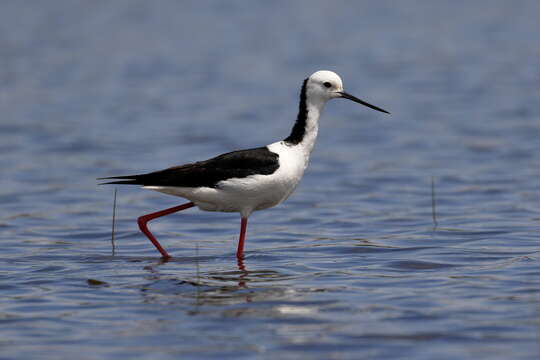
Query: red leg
point(240, 251)
point(146, 218)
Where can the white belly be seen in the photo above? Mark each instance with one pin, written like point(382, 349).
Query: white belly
point(255, 192)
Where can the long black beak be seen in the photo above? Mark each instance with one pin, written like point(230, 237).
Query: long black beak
point(355, 99)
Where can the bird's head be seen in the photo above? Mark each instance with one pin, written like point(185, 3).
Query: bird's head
point(324, 85)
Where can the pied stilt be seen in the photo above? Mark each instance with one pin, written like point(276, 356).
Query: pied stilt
point(246, 180)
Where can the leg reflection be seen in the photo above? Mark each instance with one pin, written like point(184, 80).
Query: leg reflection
point(244, 272)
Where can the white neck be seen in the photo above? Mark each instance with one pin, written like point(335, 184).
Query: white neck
point(304, 132)
point(314, 110)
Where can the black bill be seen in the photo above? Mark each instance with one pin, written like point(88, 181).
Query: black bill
point(355, 99)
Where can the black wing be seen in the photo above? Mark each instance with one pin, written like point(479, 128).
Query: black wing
point(236, 164)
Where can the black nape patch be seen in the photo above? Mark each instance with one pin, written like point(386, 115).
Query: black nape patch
point(299, 128)
point(236, 164)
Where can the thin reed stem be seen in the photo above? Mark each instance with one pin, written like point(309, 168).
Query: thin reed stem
point(114, 224)
point(433, 203)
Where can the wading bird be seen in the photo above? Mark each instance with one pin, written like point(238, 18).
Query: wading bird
point(244, 181)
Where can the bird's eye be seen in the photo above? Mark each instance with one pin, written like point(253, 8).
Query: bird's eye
point(327, 84)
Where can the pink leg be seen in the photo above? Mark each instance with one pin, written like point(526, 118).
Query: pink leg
point(146, 218)
point(240, 251)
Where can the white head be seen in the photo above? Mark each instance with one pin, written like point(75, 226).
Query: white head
point(324, 85)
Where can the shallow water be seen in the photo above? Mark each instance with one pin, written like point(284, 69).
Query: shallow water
point(356, 264)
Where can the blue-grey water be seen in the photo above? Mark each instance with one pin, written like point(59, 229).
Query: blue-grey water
point(353, 265)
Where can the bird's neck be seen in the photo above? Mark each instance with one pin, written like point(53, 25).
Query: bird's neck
point(304, 131)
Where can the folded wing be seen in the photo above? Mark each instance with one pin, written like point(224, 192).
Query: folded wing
point(236, 164)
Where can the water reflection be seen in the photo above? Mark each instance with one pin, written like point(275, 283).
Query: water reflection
point(231, 286)
point(242, 268)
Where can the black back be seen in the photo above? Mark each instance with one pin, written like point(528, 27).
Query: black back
point(236, 164)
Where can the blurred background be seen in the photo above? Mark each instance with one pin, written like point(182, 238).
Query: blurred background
point(354, 264)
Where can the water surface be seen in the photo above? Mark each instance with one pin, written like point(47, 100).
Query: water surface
point(353, 265)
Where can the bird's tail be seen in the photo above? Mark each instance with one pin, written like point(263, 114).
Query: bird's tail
point(122, 180)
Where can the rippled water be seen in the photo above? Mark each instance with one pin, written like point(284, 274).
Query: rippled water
point(353, 265)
